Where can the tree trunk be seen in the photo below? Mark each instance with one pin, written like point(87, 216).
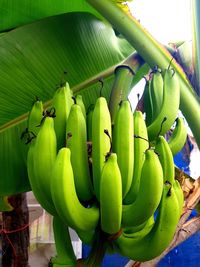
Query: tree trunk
point(15, 233)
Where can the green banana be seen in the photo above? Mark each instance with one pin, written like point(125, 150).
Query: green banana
point(35, 117)
point(170, 106)
point(64, 265)
point(79, 101)
point(100, 141)
point(149, 246)
point(4, 204)
point(55, 264)
point(65, 198)
point(44, 201)
point(147, 103)
point(141, 229)
point(166, 159)
point(44, 155)
point(178, 137)
point(61, 102)
point(35, 127)
point(149, 195)
point(123, 145)
point(179, 194)
point(33, 122)
point(65, 253)
point(89, 122)
point(156, 92)
point(111, 195)
point(140, 146)
point(77, 143)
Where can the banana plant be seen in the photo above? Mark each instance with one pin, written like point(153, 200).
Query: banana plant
point(85, 39)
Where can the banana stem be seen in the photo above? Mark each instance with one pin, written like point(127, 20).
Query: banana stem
point(98, 250)
point(121, 88)
point(64, 249)
point(154, 54)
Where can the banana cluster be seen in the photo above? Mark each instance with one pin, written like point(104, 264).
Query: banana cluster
point(90, 174)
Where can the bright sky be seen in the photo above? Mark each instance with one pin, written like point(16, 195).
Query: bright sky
point(167, 21)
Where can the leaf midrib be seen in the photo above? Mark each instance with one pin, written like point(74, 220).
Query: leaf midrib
point(76, 89)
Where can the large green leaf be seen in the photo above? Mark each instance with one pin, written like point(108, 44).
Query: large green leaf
point(32, 60)
point(14, 13)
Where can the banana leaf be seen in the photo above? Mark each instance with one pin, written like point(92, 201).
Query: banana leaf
point(32, 60)
point(15, 13)
point(195, 14)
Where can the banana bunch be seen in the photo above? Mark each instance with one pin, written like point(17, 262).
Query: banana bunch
point(115, 179)
point(154, 237)
point(162, 99)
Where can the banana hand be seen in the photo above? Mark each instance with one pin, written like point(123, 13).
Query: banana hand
point(149, 195)
point(65, 198)
point(170, 106)
point(144, 248)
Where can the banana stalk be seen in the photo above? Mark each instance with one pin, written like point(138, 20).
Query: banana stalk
point(121, 88)
point(154, 54)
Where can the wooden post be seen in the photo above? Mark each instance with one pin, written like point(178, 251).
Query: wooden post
point(15, 233)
